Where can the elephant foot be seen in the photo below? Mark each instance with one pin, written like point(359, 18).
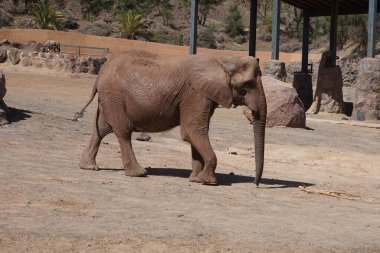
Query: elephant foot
point(194, 176)
point(313, 109)
point(207, 178)
point(136, 172)
point(88, 165)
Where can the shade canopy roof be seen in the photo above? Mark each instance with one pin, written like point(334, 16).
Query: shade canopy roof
point(323, 7)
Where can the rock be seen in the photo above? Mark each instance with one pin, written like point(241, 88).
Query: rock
point(26, 59)
point(3, 55)
point(368, 79)
point(94, 64)
point(349, 66)
point(5, 18)
point(4, 42)
point(284, 106)
point(70, 63)
point(276, 69)
point(291, 69)
point(83, 65)
point(17, 45)
point(366, 106)
point(328, 94)
point(38, 47)
point(144, 137)
point(14, 56)
point(367, 98)
point(3, 107)
point(239, 39)
point(219, 38)
point(51, 46)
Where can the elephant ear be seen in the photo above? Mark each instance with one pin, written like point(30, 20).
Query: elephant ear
point(208, 77)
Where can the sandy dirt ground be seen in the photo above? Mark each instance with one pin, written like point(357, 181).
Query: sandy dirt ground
point(47, 204)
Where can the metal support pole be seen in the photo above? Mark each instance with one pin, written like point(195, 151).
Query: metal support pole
point(371, 49)
point(252, 28)
point(193, 27)
point(276, 29)
point(305, 42)
point(333, 31)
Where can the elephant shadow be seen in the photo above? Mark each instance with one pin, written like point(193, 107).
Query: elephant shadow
point(228, 179)
point(223, 179)
point(16, 115)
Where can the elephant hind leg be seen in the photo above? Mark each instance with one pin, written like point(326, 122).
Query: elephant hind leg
point(101, 129)
point(131, 167)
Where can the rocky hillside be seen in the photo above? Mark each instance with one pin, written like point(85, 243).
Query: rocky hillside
point(223, 23)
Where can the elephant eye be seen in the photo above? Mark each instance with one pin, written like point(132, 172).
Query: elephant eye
point(248, 85)
point(241, 92)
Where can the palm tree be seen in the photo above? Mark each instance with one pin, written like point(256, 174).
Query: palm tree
point(47, 16)
point(130, 23)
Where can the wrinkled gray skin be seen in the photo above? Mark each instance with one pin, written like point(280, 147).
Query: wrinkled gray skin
point(144, 92)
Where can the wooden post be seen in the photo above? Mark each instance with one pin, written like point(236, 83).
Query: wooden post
point(333, 31)
point(276, 29)
point(305, 42)
point(372, 14)
point(193, 27)
point(252, 29)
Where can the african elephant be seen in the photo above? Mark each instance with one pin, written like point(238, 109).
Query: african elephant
point(140, 91)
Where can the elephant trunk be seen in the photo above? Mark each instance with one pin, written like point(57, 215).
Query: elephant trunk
point(259, 121)
point(259, 135)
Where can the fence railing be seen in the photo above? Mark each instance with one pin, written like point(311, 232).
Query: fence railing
point(78, 50)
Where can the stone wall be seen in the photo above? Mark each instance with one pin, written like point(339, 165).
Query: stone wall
point(54, 61)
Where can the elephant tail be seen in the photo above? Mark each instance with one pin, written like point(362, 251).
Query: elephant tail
point(78, 115)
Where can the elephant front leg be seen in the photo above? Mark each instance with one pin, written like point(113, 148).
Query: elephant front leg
point(203, 147)
point(197, 165)
point(131, 167)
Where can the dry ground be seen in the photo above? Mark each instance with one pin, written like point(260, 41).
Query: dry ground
point(48, 205)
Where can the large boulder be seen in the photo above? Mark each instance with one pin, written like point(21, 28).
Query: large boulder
point(14, 56)
point(276, 69)
point(3, 107)
point(328, 96)
point(5, 18)
point(284, 106)
point(367, 98)
point(95, 63)
point(3, 55)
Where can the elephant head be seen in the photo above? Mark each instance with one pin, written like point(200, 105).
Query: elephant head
point(234, 81)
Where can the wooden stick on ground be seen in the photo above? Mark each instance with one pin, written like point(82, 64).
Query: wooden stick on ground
point(337, 194)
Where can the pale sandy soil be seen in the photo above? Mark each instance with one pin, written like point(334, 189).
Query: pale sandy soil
point(48, 205)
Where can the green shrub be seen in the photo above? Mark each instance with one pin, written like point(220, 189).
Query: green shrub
point(92, 8)
point(207, 38)
point(130, 23)
point(46, 15)
point(234, 22)
point(166, 37)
